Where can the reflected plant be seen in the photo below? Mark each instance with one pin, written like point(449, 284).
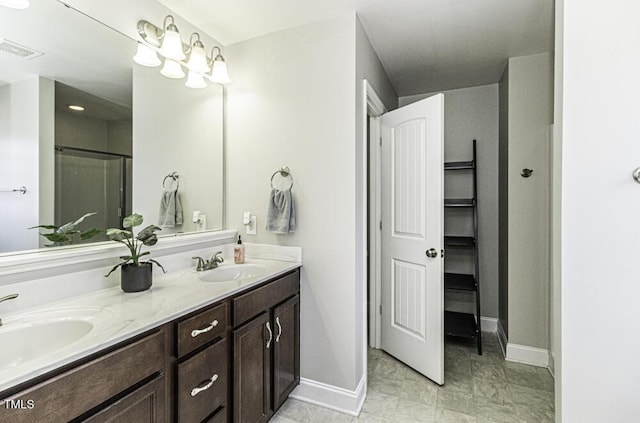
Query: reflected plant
point(125, 236)
point(68, 233)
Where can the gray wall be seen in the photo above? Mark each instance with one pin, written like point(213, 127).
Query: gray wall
point(530, 114)
point(292, 102)
point(472, 113)
point(26, 137)
point(368, 67)
point(503, 213)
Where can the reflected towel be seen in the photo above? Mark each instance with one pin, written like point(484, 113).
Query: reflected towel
point(170, 210)
point(281, 214)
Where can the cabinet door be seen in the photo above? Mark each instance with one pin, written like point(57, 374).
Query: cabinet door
point(252, 345)
point(286, 350)
point(144, 405)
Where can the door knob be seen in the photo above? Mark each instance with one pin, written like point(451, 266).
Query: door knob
point(431, 253)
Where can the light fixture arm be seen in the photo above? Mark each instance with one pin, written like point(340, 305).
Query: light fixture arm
point(165, 26)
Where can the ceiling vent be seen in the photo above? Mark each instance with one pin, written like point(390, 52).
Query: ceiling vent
point(18, 50)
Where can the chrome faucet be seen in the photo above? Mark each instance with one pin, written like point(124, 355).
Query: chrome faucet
point(8, 297)
point(211, 263)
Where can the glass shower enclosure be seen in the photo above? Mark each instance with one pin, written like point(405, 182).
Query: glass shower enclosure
point(91, 181)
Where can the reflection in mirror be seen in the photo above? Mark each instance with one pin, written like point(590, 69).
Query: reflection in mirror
point(110, 158)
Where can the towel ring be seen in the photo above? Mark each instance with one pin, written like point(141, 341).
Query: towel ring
point(285, 173)
point(173, 175)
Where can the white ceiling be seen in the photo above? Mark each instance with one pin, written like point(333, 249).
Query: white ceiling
point(424, 45)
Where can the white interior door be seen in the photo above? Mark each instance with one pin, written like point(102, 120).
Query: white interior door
point(412, 236)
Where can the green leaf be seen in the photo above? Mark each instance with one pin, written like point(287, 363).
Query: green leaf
point(56, 237)
point(147, 235)
point(133, 220)
point(71, 226)
point(116, 234)
point(146, 253)
point(90, 233)
point(44, 227)
point(114, 268)
point(157, 264)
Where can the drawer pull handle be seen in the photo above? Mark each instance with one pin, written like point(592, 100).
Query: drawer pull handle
point(279, 329)
point(270, 335)
point(196, 391)
point(197, 332)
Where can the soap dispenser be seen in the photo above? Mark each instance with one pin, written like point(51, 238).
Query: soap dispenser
point(238, 252)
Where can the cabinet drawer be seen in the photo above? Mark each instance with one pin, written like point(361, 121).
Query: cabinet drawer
point(144, 405)
point(70, 394)
point(201, 328)
point(219, 417)
point(202, 383)
point(251, 304)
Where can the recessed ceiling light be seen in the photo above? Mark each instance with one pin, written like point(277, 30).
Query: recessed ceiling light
point(75, 107)
point(15, 4)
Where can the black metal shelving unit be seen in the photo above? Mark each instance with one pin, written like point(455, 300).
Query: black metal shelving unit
point(464, 325)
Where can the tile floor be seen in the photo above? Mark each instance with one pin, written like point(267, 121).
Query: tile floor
point(478, 389)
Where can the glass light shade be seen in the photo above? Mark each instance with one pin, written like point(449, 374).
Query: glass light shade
point(219, 73)
point(198, 59)
point(195, 80)
point(172, 69)
point(146, 56)
point(15, 4)
point(172, 44)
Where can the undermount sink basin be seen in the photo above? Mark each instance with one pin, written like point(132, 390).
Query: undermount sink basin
point(26, 340)
point(233, 272)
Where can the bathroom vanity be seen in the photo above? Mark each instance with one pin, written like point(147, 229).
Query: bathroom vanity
point(233, 358)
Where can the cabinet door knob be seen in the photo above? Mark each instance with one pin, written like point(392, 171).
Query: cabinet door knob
point(270, 335)
point(432, 253)
point(209, 384)
point(279, 329)
point(197, 332)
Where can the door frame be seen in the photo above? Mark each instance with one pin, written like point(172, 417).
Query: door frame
point(374, 109)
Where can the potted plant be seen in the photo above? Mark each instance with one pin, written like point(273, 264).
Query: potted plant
point(135, 275)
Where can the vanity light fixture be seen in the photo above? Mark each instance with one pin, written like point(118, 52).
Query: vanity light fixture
point(219, 72)
point(146, 56)
point(76, 107)
point(171, 47)
point(167, 43)
point(15, 4)
point(172, 69)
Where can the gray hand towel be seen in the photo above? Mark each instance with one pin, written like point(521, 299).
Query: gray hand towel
point(170, 210)
point(281, 214)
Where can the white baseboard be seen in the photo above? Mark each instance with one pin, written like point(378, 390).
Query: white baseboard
point(329, 396)
point(489, 324)
point(527, 355)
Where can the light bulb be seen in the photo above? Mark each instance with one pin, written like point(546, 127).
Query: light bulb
point(146, 56)
point(195, 80)
point(172, 69)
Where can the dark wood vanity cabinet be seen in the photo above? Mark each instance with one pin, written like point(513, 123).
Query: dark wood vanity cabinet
point(234, 361)
point(128, 378)
point(266, 348)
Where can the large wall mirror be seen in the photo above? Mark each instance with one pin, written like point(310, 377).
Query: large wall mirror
point(86, 131)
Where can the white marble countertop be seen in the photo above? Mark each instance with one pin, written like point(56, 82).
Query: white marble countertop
point(117, 316)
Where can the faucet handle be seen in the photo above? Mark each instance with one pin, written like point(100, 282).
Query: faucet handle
point(200, 266)
point(217, 257)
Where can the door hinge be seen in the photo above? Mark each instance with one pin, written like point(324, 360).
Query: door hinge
point(381, 225)
point(380, 308)
point(380, 141)
point(442, 253)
